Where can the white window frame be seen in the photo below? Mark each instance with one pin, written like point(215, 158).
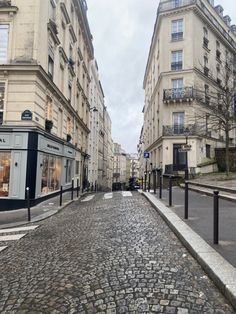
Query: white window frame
point(4, 41)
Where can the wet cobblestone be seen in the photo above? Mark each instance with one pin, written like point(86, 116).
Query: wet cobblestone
point(105, 256)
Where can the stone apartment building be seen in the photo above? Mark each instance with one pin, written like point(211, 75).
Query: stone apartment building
point(119, 167)
point(45, 52)
point(191, 40)
point(100, 144)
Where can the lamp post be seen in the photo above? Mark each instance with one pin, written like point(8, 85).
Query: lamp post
point(186, 134)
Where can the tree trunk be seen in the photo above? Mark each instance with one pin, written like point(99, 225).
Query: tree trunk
point(227, 152)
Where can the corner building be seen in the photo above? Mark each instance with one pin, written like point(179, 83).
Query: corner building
point(191, 39)
point(45, 51)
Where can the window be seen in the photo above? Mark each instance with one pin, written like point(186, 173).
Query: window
point(205, 38)
point(51, 174)
point(206, 69)
point(50, 61)
point(176, 60)
point(4, 30)
point(52, 10)
point(177, 30)
point(5, 162)
point(178, 122)
point(68, 170)
point(2, 93)
point(177, 88)
point(48, 109)
point(177, 3)
point(208, 151)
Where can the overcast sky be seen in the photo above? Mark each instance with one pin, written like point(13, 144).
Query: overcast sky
point(122, 32)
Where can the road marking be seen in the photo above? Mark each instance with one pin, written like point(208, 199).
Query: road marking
point(2, 248)
point(88, 198)
point(17, 229)
point(125, 193)
point(12, 237)
point(108, 196)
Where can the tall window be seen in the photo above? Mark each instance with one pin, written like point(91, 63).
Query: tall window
point(51, 174)
point(178, 122)
point(205, 37)
point(4, 30)
point(176, 60)
point(50, 61)
point(177, 88)
point(177, 30)
point(52, 10)
point(5, 162)
point(2, 93)
point(48, 109)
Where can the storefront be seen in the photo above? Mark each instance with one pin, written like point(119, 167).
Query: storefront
point(36, 160)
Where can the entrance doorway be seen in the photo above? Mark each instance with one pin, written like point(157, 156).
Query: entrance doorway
point(179, 158)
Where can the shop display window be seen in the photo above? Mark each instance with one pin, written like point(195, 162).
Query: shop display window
point(5, 162)
point(68, 170)
point(51, 174)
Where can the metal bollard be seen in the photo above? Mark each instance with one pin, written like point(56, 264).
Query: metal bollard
point(142, 183)
point(61, 191)
point(145, 182)
point(155, 182)
point(186, 201)
point(28, 203)
point(77, 188)
point(72, 189)
point(149, 181)
point(160, 187)
point(216, 217)
point(170, 191)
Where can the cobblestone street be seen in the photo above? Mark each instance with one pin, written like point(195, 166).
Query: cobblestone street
point(111, 255)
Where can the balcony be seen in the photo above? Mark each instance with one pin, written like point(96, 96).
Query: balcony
point(174, 4)
point(179, 130)
point(178, 94)
point(176, 66)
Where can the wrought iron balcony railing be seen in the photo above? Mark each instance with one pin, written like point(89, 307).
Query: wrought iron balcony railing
point(178, 94)
point(180, 130)
point(176, 66)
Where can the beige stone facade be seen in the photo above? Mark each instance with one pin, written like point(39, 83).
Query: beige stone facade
point(191, 40)
point(45, 54)
point(100, 143)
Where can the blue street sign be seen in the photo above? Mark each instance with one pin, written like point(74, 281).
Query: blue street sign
point(146, 154)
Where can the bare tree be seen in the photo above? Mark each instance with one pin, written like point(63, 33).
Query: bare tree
point(217, 99)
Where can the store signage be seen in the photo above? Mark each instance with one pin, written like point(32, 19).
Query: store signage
point(146, 155)
point(26, 115)
point(4, 139)
point(53, 147)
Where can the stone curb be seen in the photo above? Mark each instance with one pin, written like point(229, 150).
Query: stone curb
point(222, 273)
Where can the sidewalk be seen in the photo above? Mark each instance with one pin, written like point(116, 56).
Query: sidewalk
point(196, 233)
point(41, 211)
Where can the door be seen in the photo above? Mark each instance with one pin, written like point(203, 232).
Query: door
point(179, 158)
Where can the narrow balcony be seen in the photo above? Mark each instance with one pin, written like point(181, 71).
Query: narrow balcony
point(178, 94)
point(176, 66)
point(180, 130)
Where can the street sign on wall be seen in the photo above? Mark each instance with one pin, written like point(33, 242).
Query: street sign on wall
point(146, 155)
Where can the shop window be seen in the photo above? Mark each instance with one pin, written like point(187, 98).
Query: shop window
point(51, 174)
point(4, 31)
point(68, 170)
point(5, 162)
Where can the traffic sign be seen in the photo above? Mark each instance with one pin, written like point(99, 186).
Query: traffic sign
point(146, 155)
point(186, 146)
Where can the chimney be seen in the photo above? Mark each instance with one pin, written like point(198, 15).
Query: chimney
point(219, 9)
point(227, 20)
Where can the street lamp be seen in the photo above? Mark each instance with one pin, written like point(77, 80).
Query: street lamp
point(186, 134)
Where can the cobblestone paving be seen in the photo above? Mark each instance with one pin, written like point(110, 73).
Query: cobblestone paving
point(105, 256)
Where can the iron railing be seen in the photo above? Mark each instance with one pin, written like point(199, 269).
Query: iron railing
point(174, 94)
point(180, 130)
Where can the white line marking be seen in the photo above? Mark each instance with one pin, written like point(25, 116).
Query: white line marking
point(12, 237)
point(17, 229)
point(2, 248)
point(108, 196)
point(125, 193)
point(88, 198)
